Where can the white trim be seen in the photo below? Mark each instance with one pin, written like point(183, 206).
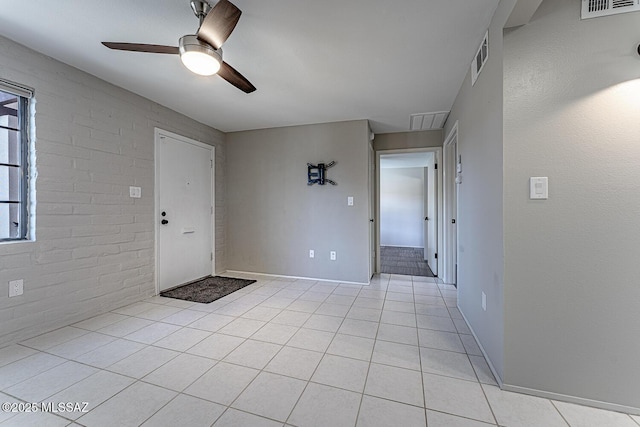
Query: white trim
point(371, 206)
point(16, 89)
point(32, 171)
point(164, 133)
point(448, 199)
point(437, 152)
point(159, 132)
point(572, 399)
point(486, 356)
point(296, 277)
point(547, 394)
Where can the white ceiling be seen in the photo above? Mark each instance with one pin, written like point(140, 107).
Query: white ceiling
point(405, 160)
point(312, 61)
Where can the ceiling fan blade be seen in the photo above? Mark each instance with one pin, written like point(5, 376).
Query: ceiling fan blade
point(229, 73)
point(219, 23)
point(138, 47)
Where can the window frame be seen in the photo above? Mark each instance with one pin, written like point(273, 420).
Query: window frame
point(23, 166)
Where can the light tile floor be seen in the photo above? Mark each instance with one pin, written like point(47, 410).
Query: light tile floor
point(278, 352)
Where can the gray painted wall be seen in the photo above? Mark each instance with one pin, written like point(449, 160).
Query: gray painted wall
point(478, 110)
point(402, 140)
point(275, 218)
point(95, 245)
point(572, 293)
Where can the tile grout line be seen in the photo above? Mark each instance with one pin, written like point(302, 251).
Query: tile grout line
point(559, 412)
point(323, 355)
point(366, 378)
point(422, 379)
point(181, 327)
point(136, 380)
point(140, 380)
point(472, 367)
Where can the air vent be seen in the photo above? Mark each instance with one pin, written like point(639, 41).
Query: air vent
point(482, 55)
point(428, 121)
point(596, 8)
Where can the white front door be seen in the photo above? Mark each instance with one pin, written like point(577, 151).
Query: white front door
point(184, 204)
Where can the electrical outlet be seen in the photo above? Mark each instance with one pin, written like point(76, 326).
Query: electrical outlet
point(312, 253)
point(484, 301)
point(332, 255)
point(16, 288)
point(350, 201)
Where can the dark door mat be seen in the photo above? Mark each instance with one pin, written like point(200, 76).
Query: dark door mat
point(207, 290)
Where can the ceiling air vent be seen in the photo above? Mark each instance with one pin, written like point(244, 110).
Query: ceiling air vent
point(480, 59)
point(596, 8)
point(428, 121)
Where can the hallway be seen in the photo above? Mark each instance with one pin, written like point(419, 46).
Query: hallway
point(407, 261)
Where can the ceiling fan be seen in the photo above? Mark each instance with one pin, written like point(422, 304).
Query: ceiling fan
point(202, 53)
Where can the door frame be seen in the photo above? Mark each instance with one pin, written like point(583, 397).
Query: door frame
point(158, 135)
point(450, 160)
point(437, 152)
point(373, 250)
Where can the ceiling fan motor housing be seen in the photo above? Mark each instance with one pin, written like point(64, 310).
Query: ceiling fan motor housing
point(191, 43)
point(198, 56)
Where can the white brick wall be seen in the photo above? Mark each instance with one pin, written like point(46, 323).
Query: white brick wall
point(95, 245)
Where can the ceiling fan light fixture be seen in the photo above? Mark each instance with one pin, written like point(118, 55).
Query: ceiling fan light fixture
point(199, 57)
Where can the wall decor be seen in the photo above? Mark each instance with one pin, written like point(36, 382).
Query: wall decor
point(316, 174)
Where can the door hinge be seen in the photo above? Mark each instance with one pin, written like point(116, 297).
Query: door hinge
point(211, 164)
point(453, 221)
point(435, 166)
point(436, 255)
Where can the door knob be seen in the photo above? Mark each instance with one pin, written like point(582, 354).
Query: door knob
point(164, 222)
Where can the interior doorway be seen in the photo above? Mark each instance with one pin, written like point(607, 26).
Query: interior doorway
point(451, 164)
point(184, 210)
point(408, 207)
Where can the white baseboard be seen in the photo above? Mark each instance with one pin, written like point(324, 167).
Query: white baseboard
point(547, 394)
point(484, 353)
point(297, 277)
point(402, 246)
point(573, 399)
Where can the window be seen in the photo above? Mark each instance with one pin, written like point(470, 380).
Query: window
point(14, 155)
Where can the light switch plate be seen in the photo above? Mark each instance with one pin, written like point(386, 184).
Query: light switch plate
point(135, 192)
point(350, 201)
point(312, 253)
point(538, 188)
